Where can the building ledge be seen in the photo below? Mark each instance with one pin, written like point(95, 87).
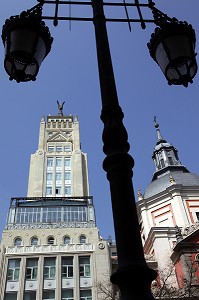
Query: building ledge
point(19, 250)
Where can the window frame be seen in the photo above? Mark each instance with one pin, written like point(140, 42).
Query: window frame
point(13, 271)
point(16, 240)
point(84, 267)
point(31, 271)
point(49, 269)
point(67, 268)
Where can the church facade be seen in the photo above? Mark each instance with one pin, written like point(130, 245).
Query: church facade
point(168, 213)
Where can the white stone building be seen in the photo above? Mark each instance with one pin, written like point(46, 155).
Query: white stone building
point(168, 213)
point(51, 247)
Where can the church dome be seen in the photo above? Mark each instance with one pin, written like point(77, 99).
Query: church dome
point(161, 183)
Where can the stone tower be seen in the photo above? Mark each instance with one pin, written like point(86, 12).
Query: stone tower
point(51, 247)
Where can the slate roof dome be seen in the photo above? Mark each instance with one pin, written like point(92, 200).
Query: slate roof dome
point(162, 183)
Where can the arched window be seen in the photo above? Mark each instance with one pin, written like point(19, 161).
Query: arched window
point(34, 240)
point(66, 240)
point(18, 242)
point(82, 239)
point(51, 240)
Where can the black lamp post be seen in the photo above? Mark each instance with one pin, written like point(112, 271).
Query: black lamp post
point(133, 276)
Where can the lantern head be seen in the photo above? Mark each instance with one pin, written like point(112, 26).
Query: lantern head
point(172, 46)
point(27, 41)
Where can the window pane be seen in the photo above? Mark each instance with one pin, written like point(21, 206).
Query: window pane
point(34, 241)
point(18, 242)
point(84, 266)
point(67, 175)
point(30, 295)
point(67, 294)
point(68, 190)
point(49, 268)
point(67, 162)
point(67, 267)
point(10, 296)
point(31, 268)
point(74, 213)
point(87, 271)
point(48, 190)
point(58, 190)
point(49, 176)
point(49, 162)
point(58, 162)
point(51, 241)
point(82, 239)
point(50, 149)
point(13, 269)
point(59, 148)
point(49, 295)
point(66, 240)
point(85, 295)
point(58, 176)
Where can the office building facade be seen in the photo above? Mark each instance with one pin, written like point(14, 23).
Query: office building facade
point(51, 247)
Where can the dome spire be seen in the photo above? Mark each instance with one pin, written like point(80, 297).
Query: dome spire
point(160, 138)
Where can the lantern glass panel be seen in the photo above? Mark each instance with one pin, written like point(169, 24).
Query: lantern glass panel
point(40, 51)
point(161, 57)
point(23, 40)
point(178, 46)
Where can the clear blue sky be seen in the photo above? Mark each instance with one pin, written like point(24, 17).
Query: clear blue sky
point(70, 74)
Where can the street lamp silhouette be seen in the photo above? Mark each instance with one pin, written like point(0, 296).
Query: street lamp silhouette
point(27, 41)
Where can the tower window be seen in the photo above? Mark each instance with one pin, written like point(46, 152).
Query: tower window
point(84, 266)
point(49, 295)
point(31, 268)
point(67, 175)
point(30, 295)
point(59, 148)
point(49, 269)
point(11, 296)
point(74, 214)
point(58, 190)
point(85, 295)
point(34, 241)
point(67, 294)
point(68, 190)
point(18, 242)
point(49, 176)
point(67, 162)
point(51, 214)
point(49, 190)
point(13, 269)
point(50, 149)
point(51, 240)
point(66, 240)
point(67, 267)
point(82, 239)
point(49, 162)
point(58, 162)
point(170, 160)
point(67, 148)
point(58, 176)
point(162, 165)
